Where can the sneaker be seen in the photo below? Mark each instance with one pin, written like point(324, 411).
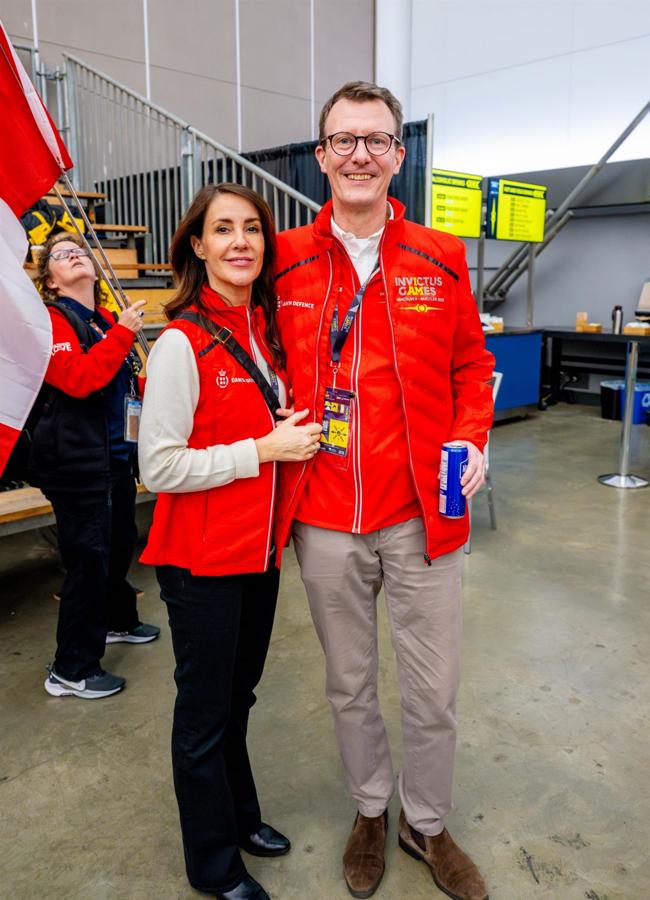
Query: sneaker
point(101, 684)
point(141, 634)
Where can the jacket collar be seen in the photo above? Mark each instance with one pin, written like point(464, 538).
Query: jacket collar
point(98, 317)
point(214, 302)
point(234, 317)
point(323, 227)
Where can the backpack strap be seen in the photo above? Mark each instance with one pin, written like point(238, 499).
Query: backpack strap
point(74, 321)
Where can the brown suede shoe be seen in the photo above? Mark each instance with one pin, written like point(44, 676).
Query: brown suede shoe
point(363, 858)
point(452, 869)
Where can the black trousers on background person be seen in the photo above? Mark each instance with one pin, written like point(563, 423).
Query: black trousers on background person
point(221, 629)
point(97, 535)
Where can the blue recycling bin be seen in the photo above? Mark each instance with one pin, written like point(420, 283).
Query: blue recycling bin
point(612, 401)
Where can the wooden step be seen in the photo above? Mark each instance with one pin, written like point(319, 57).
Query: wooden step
point(90, 200)
point(22, 503)
point(124, 257)
point(121, 229)
point(141, 267)
point(124, 261)
point(83, 195)
point(155, 299)
point(22, 509)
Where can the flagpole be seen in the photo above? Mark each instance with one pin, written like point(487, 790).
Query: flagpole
point(116, 289)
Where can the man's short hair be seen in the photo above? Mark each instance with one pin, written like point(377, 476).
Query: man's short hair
point(360, 91)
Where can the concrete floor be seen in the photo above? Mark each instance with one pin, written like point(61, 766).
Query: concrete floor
point(552, 795)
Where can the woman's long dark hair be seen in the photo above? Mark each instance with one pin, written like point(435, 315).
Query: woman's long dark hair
point(190, 273)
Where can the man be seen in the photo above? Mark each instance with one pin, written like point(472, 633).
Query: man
point(385, 345)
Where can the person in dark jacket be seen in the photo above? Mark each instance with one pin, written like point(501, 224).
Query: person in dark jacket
point(82, 458)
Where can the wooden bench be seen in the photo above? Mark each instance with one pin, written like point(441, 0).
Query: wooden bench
point(121, 229)
point(131, 231)
point(124, 268)
point(24, 509)
point(83, 195)
point(142, 267)
point(126, 258)
point(124, 261)
point(155, 298)
point(123, 258)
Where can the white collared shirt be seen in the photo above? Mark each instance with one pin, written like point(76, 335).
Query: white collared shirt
point(363, 252)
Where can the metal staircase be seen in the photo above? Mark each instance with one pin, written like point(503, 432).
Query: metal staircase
point(148, 161)
point(522, 259)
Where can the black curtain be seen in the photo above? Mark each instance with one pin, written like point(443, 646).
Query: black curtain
point(296, 166)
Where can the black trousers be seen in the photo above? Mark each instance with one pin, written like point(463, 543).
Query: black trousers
point(97, 536)
point(221, 628)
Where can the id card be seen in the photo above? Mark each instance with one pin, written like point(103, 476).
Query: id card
point(132, 413)
point(335, 438)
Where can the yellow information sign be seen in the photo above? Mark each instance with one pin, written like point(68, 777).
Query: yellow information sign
point(516, 210)
point(456, 202)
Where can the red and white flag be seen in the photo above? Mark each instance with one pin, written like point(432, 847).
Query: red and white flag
point(32, 156)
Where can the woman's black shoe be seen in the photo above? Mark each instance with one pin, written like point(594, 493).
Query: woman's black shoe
point(266, 842)
point(248, 889)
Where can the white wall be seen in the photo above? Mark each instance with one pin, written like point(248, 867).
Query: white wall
point(517, 85)
point(523, 86)
point(594, 264)
point(293, 54)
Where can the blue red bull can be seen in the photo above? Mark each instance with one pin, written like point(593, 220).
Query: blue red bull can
point(453, 462)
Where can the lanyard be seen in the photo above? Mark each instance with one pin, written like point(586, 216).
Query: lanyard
point(338, 336)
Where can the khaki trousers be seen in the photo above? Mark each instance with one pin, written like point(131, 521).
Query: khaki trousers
point(343, 574)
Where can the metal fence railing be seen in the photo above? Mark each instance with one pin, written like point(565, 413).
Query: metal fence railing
point(150, 163)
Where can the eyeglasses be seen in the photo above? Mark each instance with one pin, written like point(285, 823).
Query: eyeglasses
point(64, 254)
point(377, 144)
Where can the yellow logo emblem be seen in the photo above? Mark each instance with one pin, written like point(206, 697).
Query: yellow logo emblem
point(422, 308)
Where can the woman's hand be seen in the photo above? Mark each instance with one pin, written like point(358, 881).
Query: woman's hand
point(290, 442)
point(133, 317)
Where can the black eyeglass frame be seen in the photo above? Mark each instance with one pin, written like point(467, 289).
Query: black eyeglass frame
point(79, 251)
point(361, 137)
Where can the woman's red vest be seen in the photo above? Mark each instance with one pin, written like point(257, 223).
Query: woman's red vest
point(226, 530)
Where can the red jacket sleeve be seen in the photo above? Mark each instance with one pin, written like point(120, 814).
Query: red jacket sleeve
point(77, 373)
point(471, 369)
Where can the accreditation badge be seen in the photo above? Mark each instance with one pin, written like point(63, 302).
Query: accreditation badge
point(335, 437)
point(132, 413)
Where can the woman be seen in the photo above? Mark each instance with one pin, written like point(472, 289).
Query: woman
point(85, 467)
point(209, 447)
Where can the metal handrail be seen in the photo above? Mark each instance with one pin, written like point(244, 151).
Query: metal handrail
point(150, 162)
point(221, 148)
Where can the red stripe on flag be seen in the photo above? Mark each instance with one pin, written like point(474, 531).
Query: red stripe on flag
point(28, 168)
point(25, 334)
point(8, 438)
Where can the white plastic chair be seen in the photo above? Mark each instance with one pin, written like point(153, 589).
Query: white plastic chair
point(495, 381)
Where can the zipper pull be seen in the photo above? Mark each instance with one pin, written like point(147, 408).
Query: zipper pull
point(427, 559)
